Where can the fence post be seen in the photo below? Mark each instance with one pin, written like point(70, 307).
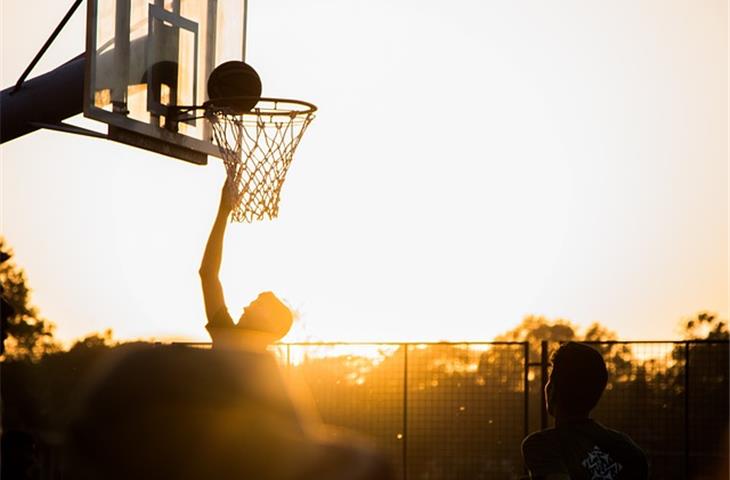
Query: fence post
point(543, 382)
point(686, 411)
point(405, 411)
point(526, 380)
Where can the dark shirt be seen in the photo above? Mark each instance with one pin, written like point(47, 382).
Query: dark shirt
point(258, 370)
point(246, 333)
point(584, 450)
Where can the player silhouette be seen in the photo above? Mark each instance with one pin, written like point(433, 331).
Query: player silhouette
point(171, 411)
point(578, 447)
point(262, 322)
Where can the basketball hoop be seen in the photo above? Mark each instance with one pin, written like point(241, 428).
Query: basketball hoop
point(257, 147)
point(256, 137)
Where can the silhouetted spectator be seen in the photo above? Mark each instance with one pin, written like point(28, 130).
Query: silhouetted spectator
point(174, 412)
point(578, 447)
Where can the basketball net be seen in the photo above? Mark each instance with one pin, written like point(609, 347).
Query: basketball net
point(257, 149)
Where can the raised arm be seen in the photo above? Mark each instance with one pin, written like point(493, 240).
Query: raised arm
point(211, 264)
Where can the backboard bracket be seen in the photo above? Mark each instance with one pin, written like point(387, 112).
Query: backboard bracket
point(68, 128)
point(134, 139)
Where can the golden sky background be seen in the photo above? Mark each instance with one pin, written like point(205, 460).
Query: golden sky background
point(472, 162)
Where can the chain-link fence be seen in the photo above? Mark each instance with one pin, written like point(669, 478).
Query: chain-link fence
point(460, 410)
point(451, 411)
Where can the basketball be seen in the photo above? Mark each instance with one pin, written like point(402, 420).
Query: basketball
point(234, 85)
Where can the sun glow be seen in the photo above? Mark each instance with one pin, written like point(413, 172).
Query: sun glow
point(552, 176)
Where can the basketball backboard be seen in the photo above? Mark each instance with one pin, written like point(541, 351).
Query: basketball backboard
point(144, 56)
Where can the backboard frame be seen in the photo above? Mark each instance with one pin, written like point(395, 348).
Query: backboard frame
point(131, 131)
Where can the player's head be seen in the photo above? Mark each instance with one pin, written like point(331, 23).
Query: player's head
point(267, 316)
point(577, 380)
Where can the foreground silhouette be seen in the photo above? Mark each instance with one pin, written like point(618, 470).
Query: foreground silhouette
point(579, 447)
point(151, 412)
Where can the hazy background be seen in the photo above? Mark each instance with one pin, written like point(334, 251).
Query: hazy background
point(472, 162)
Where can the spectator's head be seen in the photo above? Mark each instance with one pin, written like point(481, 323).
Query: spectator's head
point(179, 412)
point(184, 413)
point(577, 380)
point(267, 316)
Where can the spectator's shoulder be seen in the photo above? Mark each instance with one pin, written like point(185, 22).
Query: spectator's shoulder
point(624, 438)
point(538, 442)
point(637, 456)
point(541, 453)
point(638, 451)
point(640, 462)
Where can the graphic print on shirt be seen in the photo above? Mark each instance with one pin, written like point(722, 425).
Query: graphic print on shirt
point(600, 465)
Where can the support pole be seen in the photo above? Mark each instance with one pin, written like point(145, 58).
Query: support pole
point(47, 99)
point(686, 411)
point(543, 381)
point(405, 412)
point(526, 386)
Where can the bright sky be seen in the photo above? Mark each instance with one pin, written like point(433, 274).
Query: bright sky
point(472, 162)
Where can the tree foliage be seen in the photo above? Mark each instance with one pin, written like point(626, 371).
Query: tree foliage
point(704, 326)
point(29, 335)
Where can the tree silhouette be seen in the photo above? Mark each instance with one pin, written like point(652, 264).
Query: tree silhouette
point(705, 326)
point(701, 369)
point(29, 335)
point(536, 328)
